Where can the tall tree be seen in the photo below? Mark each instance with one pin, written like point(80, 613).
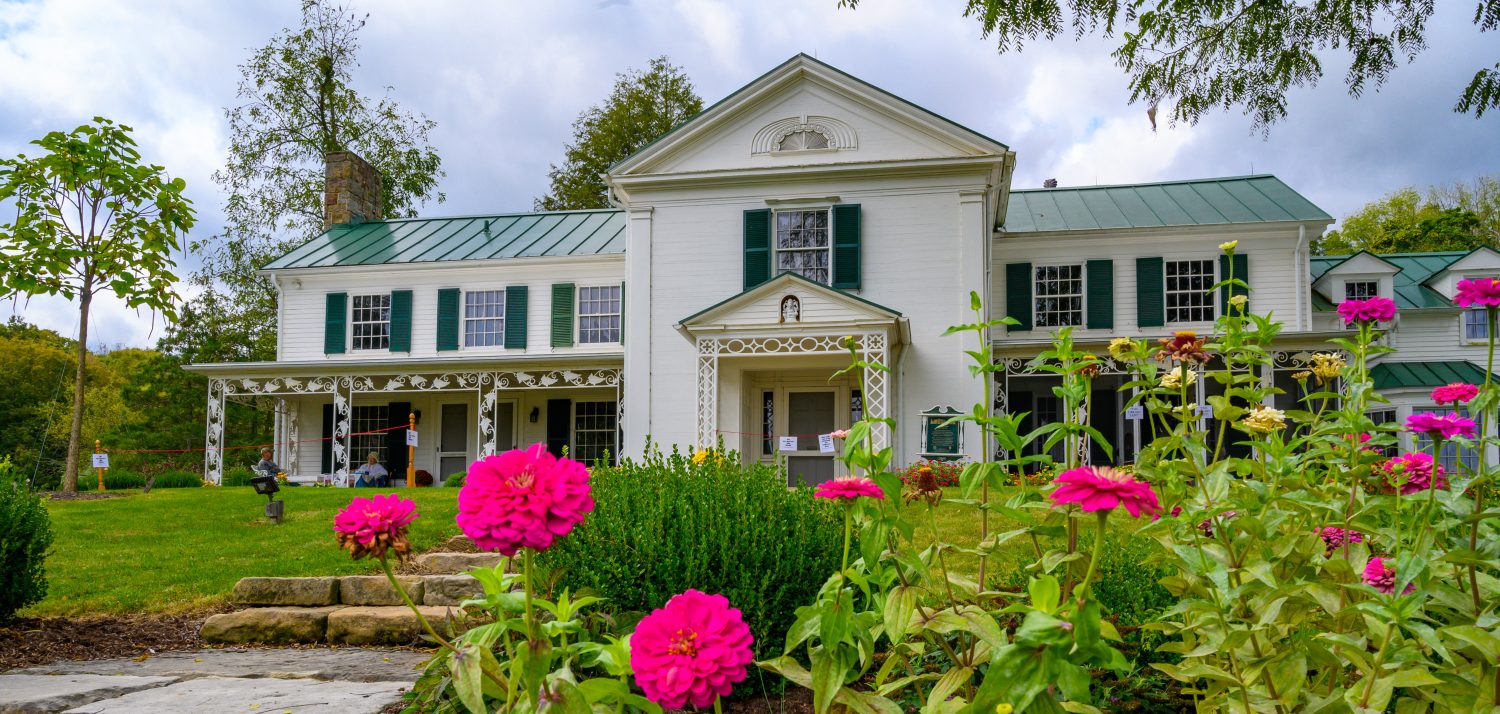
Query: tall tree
point(91, 217)
point(1199, 56)
point(299, 105)
point(1405, 221)
point(644, 105)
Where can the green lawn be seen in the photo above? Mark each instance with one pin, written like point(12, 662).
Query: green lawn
point(182, 549)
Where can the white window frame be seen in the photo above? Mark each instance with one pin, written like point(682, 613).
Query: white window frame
point(614, 438)
point(1351, 283)
point(578, 314)
point(353, 310)
point(1209, 293)
point(1037, 296)
point(464, 319)
point(827, 248)
point(1484, 325)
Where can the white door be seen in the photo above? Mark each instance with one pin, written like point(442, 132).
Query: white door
point(810, 412)
point(453, 440)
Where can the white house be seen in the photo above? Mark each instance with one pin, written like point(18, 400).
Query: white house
point(804, 212)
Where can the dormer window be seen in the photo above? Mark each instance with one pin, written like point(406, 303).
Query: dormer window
point(1361, 289)
point(803, 140)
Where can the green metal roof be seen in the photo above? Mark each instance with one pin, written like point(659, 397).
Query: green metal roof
point(1399, 375)
point(1415, 269)
point(1241, 199)
point(431, 240)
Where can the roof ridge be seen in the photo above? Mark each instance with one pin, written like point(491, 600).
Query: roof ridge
point(507, 214)
point(1211, 179)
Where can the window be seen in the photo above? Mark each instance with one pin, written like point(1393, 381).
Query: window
point(371, 322)
point(1059, 295)
point(1188, 290)
point(767, 422)
point(599, 314)
point(1476, 325)
point(1452, 455)
point(802, 244)
point(1384, 416)
point(484, 318)
point(595, 425)
point(367, 419)
point(1361, 289)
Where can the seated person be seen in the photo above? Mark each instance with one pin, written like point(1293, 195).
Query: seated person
point(266, 467)
point(372, 473)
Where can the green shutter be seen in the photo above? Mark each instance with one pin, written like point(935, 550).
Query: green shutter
point(400, 320)
point(1018, 277)
point(562, 314)
point(515, 317)
point(447, 319)
point(846, 240)
point(1100, 275)
point(1150, 304)
point(757, 247)
point(335, 324)
point(326, 456)
point(1241, 272)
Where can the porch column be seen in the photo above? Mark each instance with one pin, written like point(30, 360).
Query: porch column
point(293, 421)
point(876, 389)
point(343, 443)
point(213, 440)
point(488, 395)
point(708, 392)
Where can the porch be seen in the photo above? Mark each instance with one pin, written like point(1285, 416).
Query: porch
point(327, 423)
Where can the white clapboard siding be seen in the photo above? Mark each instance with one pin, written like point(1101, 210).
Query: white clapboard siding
point(304, 301)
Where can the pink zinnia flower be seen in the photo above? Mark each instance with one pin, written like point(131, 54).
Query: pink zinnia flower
point(1207, 526)
point(523, 498)
point(1478, 291)
point(1445, 426)
point(371, 526)
point(849, 488)
point(1382, 577)
point(1101, 488)
point(692, 651)
point(1455, 393)
point(1375, 309)
point(839, 433)
point(1419, 471)
point(1335, 537)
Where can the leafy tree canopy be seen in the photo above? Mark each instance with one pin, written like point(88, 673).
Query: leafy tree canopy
point(642, 107)
point(1461, 216)
point(1195, 57)
point(299, 105)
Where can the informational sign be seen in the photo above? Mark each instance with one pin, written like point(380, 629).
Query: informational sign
point(787, 443)
point(1205, 410)
point(411, 437)
point(941, 437)
point(101, 461)
point(825, 443)
point(1135, 412)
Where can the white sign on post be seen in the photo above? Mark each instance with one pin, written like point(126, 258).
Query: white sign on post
point(1205, 410)
point(101, 461)
point(411, 437)
point(787, 443)
point(825, 443)
point(1135, 412)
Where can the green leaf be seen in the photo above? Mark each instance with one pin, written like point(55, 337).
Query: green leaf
point(1045, 593)
point(467, 676)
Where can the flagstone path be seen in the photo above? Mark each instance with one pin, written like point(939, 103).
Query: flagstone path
point(252, 681)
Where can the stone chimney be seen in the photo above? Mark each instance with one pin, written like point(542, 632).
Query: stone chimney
point(351, 190)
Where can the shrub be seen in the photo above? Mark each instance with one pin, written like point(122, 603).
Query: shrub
point(178, 479)
point(237, 476)
point(456, 480)
point(25, 535)
point(945, 472)
point(664, 525)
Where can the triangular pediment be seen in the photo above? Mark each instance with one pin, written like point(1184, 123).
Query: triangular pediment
point(806, 112)
point(1363, 263)
point(1482, 262)
point(790, 301)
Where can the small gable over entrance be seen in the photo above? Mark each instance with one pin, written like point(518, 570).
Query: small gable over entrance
point(792, 303)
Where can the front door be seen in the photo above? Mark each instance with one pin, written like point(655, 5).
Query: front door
point(453, 440)
point(809, 413)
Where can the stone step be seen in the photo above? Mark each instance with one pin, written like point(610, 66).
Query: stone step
point(455, 563)
point(345, 625)
point(357, 590)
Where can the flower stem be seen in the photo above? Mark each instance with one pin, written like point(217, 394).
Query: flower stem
point(1098, 550)
point(532, 631)
point(391, 576)
point(848, 530)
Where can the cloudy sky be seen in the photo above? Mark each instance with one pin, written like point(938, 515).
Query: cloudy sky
point(504, 80)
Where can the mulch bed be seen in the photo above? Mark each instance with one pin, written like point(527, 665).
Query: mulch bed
point(80, 495)
point(33, 641)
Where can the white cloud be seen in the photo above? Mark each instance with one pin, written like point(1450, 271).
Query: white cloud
point(504, 81)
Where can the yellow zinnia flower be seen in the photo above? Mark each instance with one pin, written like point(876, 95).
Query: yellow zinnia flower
point(1264, 419)
point(1173, 379)
point(1229, 246)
